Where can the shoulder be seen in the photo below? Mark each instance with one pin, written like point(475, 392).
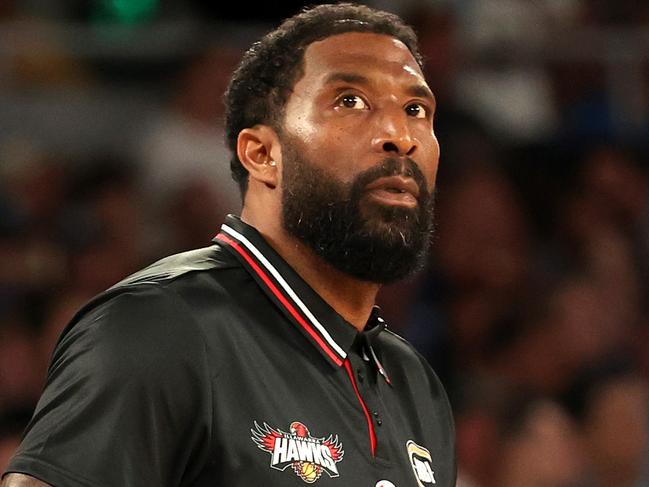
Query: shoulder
point(406, 360)
point(146, 316)
point(156, 289)
point(417, 384)
point(179, 266)
point(396, 345)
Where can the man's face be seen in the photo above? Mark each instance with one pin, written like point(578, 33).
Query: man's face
point(360, 157)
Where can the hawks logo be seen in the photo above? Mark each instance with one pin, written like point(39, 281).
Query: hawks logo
point(307, 456)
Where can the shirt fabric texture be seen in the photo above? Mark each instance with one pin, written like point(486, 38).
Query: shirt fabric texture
point(222, 367)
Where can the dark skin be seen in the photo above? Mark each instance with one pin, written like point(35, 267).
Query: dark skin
point(362, 98)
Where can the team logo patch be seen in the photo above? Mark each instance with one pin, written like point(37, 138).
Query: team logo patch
point(422, 464)
point(308, 456)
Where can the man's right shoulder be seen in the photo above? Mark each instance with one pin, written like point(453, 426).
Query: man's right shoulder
point(152, 316)
point(162, 287)
point(212, 258)
point(175, 271)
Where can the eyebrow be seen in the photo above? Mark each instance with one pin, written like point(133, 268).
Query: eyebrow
point(417, 90)
point(421, 91)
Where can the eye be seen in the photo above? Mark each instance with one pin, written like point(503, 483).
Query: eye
point(417, 110)
point(354, 102)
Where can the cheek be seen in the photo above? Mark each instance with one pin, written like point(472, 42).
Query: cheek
point(334, 150)
point(315, 139)
point(431, 164)
point(299, 124)
point(304, 132)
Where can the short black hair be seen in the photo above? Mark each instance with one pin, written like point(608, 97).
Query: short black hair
point(261, 85)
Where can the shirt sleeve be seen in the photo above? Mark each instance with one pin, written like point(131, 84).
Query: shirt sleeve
point(127, 398)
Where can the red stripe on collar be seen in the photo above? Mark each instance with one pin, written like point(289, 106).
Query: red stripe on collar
point(282, 299)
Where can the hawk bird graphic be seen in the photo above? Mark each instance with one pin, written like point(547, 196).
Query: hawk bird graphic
point(265, 437)
point(308, 467)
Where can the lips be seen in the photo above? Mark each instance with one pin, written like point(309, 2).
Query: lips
point(394, 190)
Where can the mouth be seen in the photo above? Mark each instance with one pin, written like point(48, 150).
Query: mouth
point(394, 191)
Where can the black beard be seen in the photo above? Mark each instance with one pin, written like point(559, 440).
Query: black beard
point(364, 239)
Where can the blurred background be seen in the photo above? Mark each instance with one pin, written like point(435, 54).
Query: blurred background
point(534, 308)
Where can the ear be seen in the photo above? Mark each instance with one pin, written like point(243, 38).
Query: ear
point(258, 149)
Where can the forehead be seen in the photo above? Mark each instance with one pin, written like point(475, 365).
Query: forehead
point(360, 52)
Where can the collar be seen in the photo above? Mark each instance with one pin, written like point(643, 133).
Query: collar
point(329, 332)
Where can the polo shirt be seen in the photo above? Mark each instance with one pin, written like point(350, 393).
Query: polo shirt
point(222, 367)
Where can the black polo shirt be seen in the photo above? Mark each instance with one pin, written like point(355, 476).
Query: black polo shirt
point(222, 367)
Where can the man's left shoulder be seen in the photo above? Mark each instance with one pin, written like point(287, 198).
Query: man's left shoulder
point(396, 346)
point(404, 359)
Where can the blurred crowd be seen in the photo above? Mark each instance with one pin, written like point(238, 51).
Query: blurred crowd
point(534, 309)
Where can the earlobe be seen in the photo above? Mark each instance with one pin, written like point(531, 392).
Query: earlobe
point(255, 147)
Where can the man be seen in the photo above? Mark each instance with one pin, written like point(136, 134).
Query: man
point(261, 360)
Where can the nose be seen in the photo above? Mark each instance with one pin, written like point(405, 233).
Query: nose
point(393, 136)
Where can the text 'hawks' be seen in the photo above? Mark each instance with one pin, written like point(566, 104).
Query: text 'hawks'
point(308, 456)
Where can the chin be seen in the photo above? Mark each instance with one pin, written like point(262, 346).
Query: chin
point(391, 219)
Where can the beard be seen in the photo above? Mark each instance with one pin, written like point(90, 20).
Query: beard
point(362, 238)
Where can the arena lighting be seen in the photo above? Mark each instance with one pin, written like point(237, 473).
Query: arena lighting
point(125, 11)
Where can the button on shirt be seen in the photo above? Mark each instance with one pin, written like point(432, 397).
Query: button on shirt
point(222, 367)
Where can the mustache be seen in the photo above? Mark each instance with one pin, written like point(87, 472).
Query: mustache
point(393, 166)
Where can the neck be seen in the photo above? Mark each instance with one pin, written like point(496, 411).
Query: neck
point(352, 298)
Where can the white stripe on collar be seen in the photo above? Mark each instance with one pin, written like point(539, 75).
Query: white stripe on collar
point(278, 277)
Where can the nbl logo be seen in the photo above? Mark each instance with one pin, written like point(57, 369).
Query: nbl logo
point(309, 457)
point(421, 462)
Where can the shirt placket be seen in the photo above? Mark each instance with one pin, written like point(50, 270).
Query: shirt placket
point(364, 376)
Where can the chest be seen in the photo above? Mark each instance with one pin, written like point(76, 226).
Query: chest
point(288, 418)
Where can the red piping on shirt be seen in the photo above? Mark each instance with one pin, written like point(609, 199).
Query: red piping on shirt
point(370, 425)
point(282, 299)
